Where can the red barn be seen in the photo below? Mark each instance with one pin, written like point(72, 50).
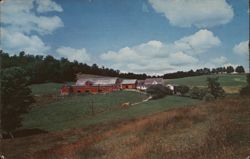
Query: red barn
point(129, 84)
point(93, 85)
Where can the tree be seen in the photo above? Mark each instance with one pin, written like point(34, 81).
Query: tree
point(158, 91)
point(230, 69)
point(198, 93)
point(245, 91)
point(182, 89)
point(240, 69)
point(15, 98)
point(214, 87)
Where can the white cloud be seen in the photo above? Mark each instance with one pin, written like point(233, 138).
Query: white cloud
point(20, 16)
point(14, 42)
point(198, 42)
point(72, 54)
point(23, 25)
point(241, 48)
point(199, 13)
point(219, 60)
point(180, 58)
point(156, 57)
point(48, 6)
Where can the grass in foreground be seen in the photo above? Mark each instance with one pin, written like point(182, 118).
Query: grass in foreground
point(217, 130)
point(76, 111)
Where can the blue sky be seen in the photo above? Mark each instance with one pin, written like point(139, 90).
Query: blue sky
point(151, 36)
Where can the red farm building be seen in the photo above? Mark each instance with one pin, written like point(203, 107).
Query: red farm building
point(93, 85)
point(129, 84)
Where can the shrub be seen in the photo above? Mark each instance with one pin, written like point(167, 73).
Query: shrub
point(158, 91)
point(183, 89)
point(246, 90)
point(209, 97)
point(198, 93)
point(214, 87)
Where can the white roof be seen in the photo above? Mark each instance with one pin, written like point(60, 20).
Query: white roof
point(129, 81)
point(97, 81)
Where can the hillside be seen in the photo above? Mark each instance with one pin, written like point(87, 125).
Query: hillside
point(230, 82)
point(209, 130)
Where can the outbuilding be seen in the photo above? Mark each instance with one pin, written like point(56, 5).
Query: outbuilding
point(129, 84)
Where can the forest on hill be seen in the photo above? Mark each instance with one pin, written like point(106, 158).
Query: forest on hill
point(43, 69)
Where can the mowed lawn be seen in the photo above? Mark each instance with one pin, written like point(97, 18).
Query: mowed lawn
point(76, 111)
point(231, 83)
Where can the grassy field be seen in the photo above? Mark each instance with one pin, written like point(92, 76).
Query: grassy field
point(76, 111)
point(237, 80)
point(46, 88)
point(231, 83)
point(218, 129)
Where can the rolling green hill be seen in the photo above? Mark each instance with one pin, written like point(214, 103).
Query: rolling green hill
point(231, 83)
point(238, 80)
point(76, 111)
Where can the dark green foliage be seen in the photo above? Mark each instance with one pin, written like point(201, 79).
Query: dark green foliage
point(15, 97)
point(230, 69)
point(246, 90)
point(198, 93)
point(158, 91)
point(48, 69)
point(214, 87)
point(240, 69)
point(183, 89)
point(209, 97)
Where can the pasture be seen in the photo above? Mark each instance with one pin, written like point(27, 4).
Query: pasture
point(77, 111)
point(231, 83)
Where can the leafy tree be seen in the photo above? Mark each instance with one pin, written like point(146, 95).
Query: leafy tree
point(182, 89)
point(246, 90)
point(230, 69)
point(158, 91)
point(214, 87)
point(198, 93)
point(15, 98)
point(240, 69)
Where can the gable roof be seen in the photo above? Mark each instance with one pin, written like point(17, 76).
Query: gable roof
point(150, 81)
point(129, 81)
point(101, 81)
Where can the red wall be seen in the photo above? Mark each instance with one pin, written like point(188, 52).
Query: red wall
point(128, 86)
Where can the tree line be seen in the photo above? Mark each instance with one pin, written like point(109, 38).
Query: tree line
point(205, 71)
point(43, 69)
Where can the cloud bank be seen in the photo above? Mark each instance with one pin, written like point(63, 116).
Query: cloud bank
point(156, 57)
point(24, 22)
point(198, 13)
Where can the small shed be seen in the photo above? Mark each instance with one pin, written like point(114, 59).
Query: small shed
point(129, 84)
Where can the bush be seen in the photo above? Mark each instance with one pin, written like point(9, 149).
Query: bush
point(158, 91)
point(198, 93)
point(246, 90)
point(209, 97)
point(182, 89)
point(214, 87)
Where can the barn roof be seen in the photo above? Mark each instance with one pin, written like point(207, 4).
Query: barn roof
point(150, 81)
point(129, 81)
point(104, 81)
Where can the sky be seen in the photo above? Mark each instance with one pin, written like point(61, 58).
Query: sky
point(140, 36)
